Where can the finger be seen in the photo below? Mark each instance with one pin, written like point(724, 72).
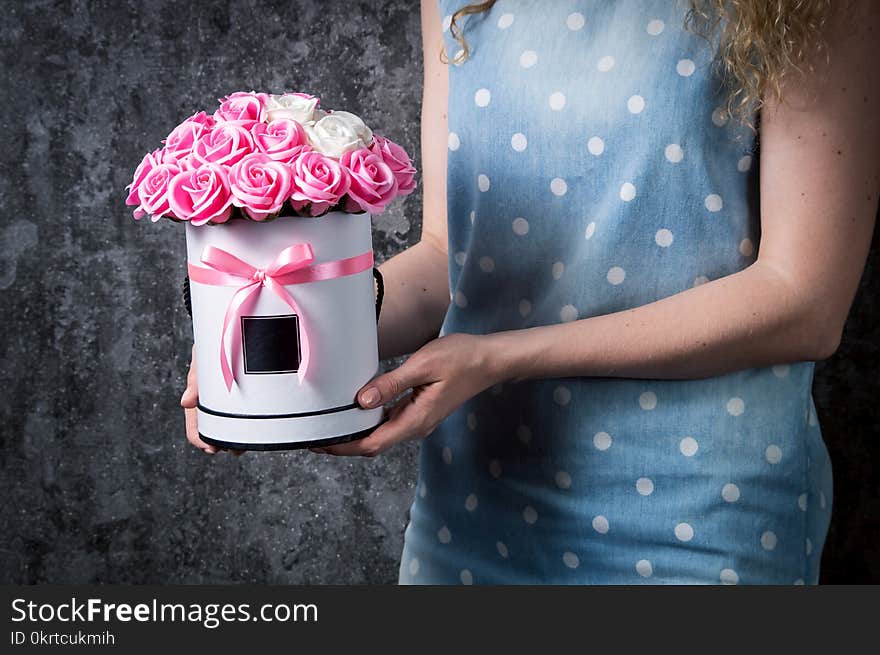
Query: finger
point(386, 387)
point(192, 432)
point(408, 420)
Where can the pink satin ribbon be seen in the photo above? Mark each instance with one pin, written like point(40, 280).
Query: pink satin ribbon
point(293, 265)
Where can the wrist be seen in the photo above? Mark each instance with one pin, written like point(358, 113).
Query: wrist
point(505, 356)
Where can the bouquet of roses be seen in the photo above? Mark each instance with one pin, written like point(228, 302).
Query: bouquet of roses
point(261, 155)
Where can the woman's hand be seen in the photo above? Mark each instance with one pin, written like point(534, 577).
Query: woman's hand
point(443, 374)
point(189, 400)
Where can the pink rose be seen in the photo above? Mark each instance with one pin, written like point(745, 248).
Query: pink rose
point(318, 181)
point(281, 139)
point(259, 185)
point(224, 144)
point(183, 137)
point(201, 195)
point(373, 184)
point(150, 161)
point(153, 191)
point(398, 161)
point(244, 108)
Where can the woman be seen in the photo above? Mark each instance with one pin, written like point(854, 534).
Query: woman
point(621, 389)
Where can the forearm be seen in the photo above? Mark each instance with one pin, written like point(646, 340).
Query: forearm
point(416, 298)
point(749, 319)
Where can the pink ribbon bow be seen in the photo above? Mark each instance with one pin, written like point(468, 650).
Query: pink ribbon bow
point(293, 265)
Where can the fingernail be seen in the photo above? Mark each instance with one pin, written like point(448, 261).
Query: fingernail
point(370, 397)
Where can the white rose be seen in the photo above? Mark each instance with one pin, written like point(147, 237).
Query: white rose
point(336, 133)
point(290, 105)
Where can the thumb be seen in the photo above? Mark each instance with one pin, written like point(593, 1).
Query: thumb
point(388, 386)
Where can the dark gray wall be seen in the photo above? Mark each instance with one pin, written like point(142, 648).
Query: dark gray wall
point(98, 482)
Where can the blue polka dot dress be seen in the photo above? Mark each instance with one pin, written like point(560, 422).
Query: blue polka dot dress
point(592, 169)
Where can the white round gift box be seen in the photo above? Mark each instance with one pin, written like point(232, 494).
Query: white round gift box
point(268, 406)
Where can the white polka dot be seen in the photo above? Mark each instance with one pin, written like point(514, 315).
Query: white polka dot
point(562, 395)
point(674, 153)
point(720, 117)
point(575, 21)
point(471, 421)
point(473, 216)
point(467, 577)
point(768, 540)
point(655, 27)
point(627, 191)
point(447, 454)
point(700, 279)
point(645, 486)
point(773, 454)
point(525, 308)
point(781, 370)
point(600, 524)
point(528, 59)
point(602, 440)
point(502, 549)
point(470, 503)
point(823, 502)
point(413, 566)
point(558, 186)
point(505, 21)
point(808, 547)
point(557, 270)
point(802, 502)
point(568, 313)
point(530, 515)
point(423, 490)
point(730, 492)
point(453, 141)
point(812, 417)
point(644, 568)
point(460, 258)
point(684, 532)
point(688, 446)
point(746, 247)
point(444, 535)
point(713, 202)
point(647, 400)
point(744, 164)
point(570, 560)
point(591, 228)
point(615, 275)
point(447, 21)
point(563, 479)
point(685, 67)
point(605, 64)
point(736, 406)
point(635, 104)
point(663, 238)
point(557, 101)
point(728, 576)
point(524, 433)
point(482, 97)
point(483, 182)
point(487, 264)
point(460, 299)
point(519, 142)
point(520, 226)
point(798, 582)
point(596, 145)
point(495, 468)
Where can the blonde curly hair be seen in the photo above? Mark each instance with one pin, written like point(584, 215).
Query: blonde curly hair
point(759, 42)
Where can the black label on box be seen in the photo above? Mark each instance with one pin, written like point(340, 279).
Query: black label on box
point(270, 344)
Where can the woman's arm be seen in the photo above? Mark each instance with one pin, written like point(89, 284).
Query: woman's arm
point(417, 280)
point(820, 175)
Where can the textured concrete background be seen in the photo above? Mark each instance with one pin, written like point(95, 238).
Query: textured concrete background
point(98, 483)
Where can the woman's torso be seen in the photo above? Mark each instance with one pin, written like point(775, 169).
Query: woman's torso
point(592, 169)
